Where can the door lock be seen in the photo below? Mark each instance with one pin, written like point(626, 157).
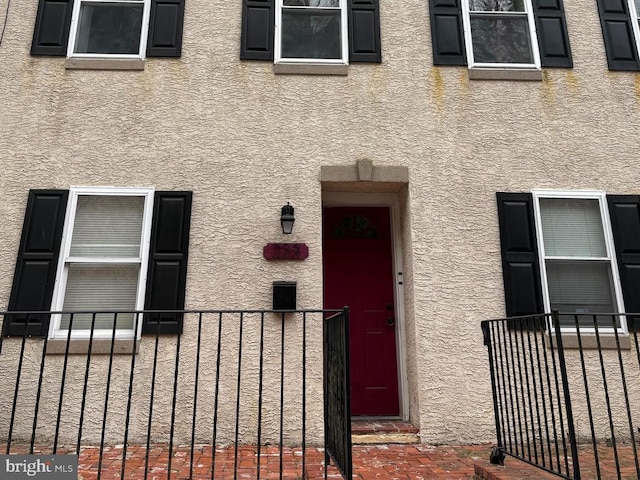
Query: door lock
point(390, 321)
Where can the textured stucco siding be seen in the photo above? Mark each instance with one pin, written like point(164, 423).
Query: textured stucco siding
point(246, 141)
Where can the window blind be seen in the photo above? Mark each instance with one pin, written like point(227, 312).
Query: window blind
point(107, 226)
point(572, 228)
point(100, 287)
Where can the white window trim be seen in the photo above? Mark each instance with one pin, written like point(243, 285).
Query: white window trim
point(64, 258)
point(533, 38)
point(635, 21)
point(73, 33)
point(344, 41)
point(611, 257)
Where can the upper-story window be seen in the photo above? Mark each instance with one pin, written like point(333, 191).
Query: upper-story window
point(311, 30)
point(499, 33)
point(109, 27)
point(112, 29)
point(634, 10)
point(334, 32)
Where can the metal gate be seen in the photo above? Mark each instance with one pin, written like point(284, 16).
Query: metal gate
point(337, 404)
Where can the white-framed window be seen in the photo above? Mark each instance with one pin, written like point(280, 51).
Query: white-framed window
point(500, 33)
point(634, 13)
point(577, 259)
point(109, 28)
point(311, 31)
point(103, 261)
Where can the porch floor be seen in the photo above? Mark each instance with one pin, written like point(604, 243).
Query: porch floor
point(370, 462)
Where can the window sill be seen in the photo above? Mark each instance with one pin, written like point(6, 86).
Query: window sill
point(589, 341)
point(98, 347)
point(104, 64)
point(310, 69)
point(522, 74)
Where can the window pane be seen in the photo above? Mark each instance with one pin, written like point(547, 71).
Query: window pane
point(311, 3)
point(107, 226)
point(311, 35)
point(572, 227)
point(109, 28)
point(501, 40)
point(497, 5)
point(583, 288)
point(100, 287)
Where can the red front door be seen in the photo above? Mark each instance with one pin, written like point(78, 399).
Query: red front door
point(358, 272)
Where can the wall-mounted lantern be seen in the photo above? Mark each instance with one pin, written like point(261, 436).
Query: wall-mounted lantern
point(287, 219)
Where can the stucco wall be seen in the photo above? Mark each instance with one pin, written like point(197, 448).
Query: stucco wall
point(246, 141)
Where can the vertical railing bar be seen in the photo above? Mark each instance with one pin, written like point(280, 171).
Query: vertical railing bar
point(38, 393)
point(304, 394)
point(502, 341)
point(488, 341)
point(325, 356)
point(238, 385)
point(62, 384)
point(173, 405)
point(553, 351)
point(128, 415)
point(626, 396)
point(536, 341)
point(152, 394)
point(86, 382)
point(215, 400)
point(635, 341)
point(107, 390)
point(2, 334)
point(281, 390)
point(513, 441)
point(515, 360)
point(494, 341)
point(545, 354)
point(17, 388)
point(606, 395)
point(524, 400)
point(567, 397)
point(347, 384)
point(535, 396)
point(260, 386)
point(195, 395)
point(587, 394)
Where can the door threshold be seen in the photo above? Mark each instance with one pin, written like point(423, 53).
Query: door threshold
point(383, 430)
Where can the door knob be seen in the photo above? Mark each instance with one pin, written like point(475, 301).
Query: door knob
point(390, 321)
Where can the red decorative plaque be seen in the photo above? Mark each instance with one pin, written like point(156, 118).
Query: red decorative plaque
point(285, 251)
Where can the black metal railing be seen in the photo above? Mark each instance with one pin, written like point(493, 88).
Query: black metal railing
point(566, 393)
point(235, 385)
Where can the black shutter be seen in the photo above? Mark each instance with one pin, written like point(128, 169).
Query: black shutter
point(520, 264)
point(364, 31)
point(258, 25)
point(447, 37)
point(51, 32)
point(553, 39)
point(37, 262)
point(165, 28)
point(617, 31)
point(167, 274)
point(624, 211)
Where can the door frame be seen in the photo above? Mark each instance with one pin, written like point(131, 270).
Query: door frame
point(391, 200)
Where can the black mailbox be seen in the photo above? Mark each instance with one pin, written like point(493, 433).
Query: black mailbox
point(284, 296)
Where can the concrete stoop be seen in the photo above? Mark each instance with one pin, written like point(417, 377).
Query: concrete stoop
point(374, 432)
